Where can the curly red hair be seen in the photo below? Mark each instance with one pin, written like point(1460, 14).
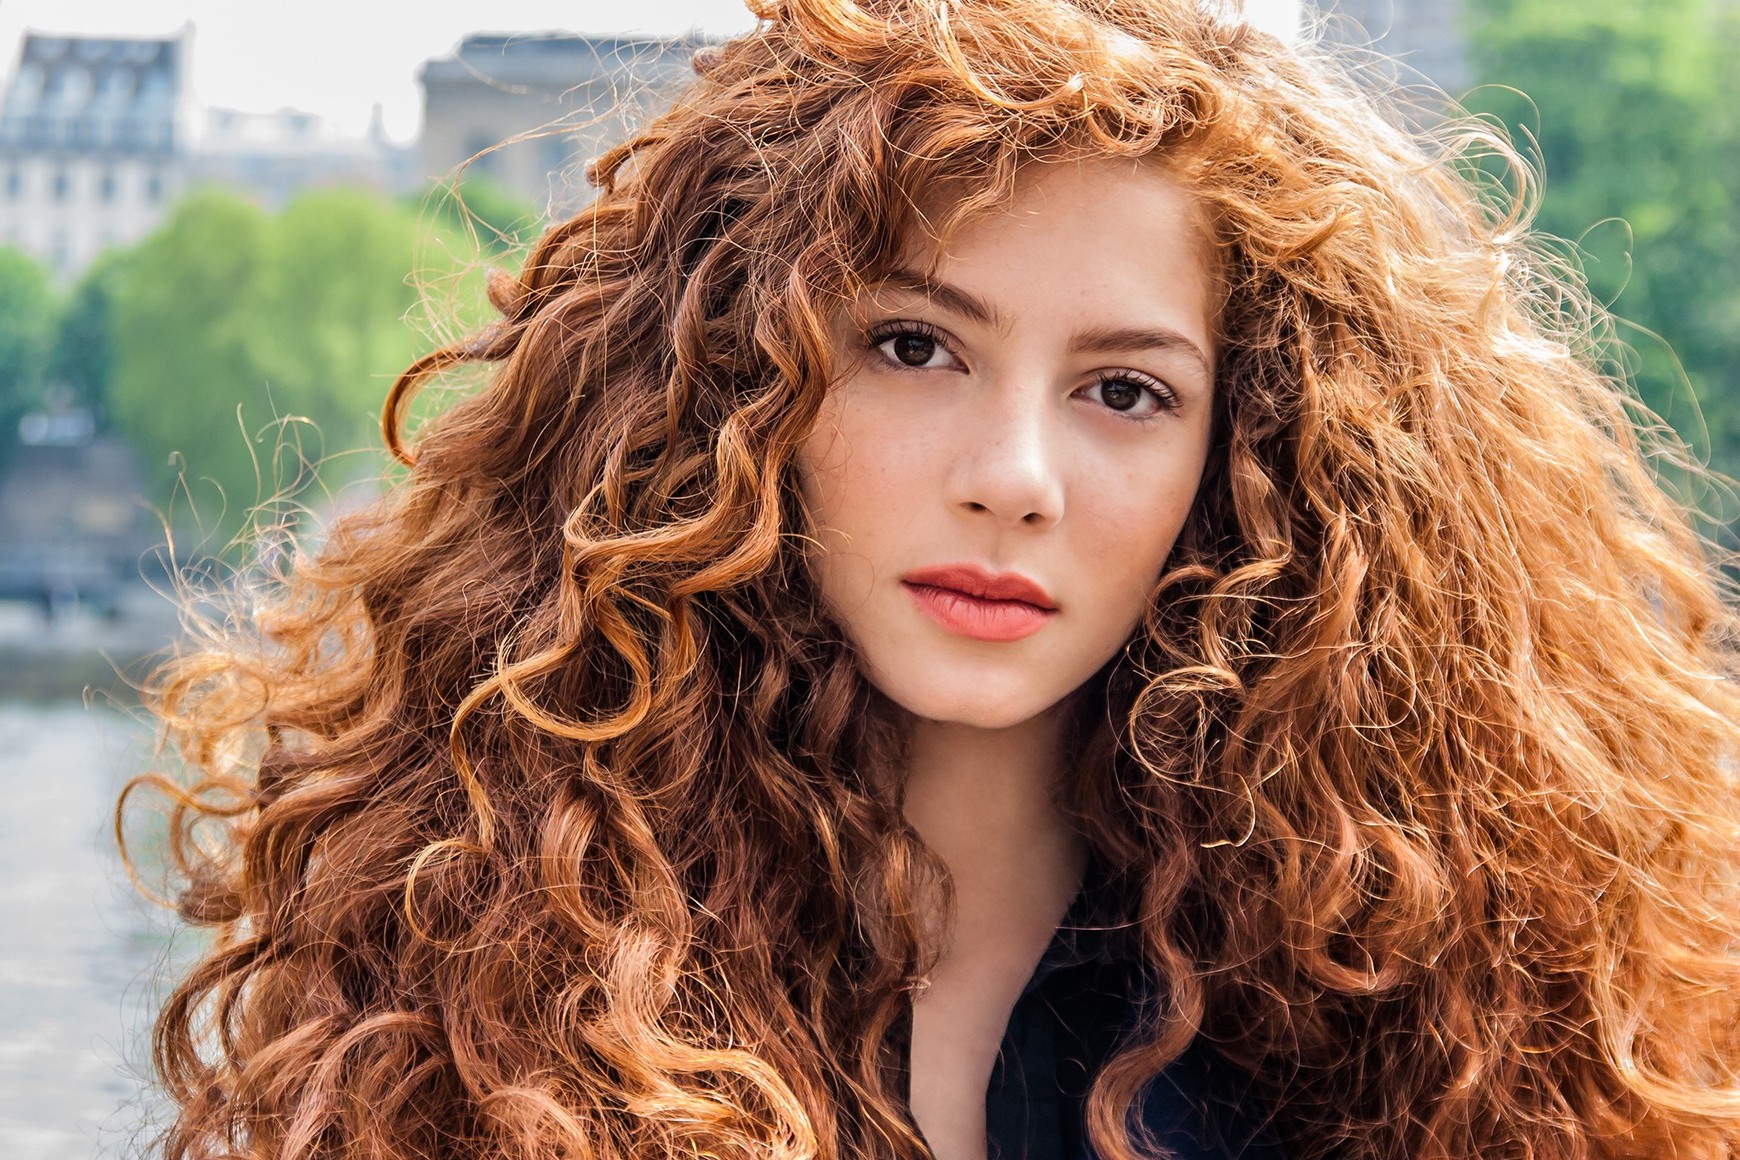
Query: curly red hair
point(554, 818)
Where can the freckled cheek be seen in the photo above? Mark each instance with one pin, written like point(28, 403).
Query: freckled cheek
point(1128, 537)
point(862, 482)
point(881, 471)
point(1116, 563)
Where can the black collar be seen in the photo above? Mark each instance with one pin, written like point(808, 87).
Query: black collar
point(1096, 931)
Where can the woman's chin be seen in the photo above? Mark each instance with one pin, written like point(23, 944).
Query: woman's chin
point(978, 707)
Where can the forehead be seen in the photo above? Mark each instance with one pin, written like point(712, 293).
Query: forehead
point(942, 211)
point(1111, 240)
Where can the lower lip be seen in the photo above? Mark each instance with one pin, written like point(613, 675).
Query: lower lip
point(970, 616)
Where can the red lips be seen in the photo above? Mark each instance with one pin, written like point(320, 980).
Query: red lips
point(970, 601)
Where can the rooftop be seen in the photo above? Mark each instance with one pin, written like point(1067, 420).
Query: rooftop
point(557, 60)
point(83, 93)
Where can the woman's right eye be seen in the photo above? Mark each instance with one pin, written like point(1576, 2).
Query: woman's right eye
point(912, 347)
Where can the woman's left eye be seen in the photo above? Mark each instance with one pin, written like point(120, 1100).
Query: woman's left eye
point(1127, 395)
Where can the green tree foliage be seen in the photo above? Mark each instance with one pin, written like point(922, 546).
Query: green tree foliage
point(334, 294)
point(469, 226)
point(1633, 111)
point(477, 207)
point(83, 354)
point(250, 353)
point(187, 388)
point(27, 313)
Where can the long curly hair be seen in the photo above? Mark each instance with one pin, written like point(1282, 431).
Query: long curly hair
point(541, 810)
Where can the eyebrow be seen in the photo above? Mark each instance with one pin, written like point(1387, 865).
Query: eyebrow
point(1112, 339)
point(1094, 340)
point(953, 298)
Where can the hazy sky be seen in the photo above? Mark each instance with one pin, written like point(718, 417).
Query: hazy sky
point(339, 58)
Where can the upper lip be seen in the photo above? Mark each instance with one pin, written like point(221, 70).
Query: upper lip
point(983, 583)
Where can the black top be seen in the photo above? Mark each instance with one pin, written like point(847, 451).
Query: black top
point(1082, 1000)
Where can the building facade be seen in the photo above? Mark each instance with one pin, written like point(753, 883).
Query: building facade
point(272, 157)
point(1423, 39)
point(525, 111)
point(93, 144)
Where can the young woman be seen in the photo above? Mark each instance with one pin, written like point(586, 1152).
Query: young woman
point(1032, 579)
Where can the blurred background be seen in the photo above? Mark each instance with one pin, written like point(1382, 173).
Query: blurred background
point(223, 232)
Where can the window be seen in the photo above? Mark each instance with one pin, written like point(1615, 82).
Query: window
point(14, 183)
point(119, 83)
point(485, 158)
point(59, 185)
point(559, 153)
point(154, 187)
point(74, 85)
point(106, 185)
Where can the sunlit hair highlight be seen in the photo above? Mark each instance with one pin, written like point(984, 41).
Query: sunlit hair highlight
point(554, 819)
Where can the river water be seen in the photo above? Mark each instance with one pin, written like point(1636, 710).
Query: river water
point(83, 957)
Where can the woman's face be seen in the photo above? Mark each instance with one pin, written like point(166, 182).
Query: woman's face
point(997, 481)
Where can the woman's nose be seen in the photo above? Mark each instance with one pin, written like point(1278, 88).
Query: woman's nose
point(1008, 465)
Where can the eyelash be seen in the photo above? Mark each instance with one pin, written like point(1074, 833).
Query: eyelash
point(882, 332)
point(1165, 401)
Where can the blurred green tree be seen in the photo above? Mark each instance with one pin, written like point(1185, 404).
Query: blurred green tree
point(469, 225)
point(83, 355)
point(187, 388)
point(475, 206)
point(1632, 110)
point(249, 354)
point(331, 329)
point(27, 313)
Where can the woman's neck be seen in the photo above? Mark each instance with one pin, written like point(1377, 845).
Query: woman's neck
point(986, 803)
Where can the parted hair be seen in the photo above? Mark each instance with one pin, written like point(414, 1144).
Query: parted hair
point(541, 810)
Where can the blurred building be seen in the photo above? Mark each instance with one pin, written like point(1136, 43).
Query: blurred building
point(99, 136)
point(527, 109)
point(1424, 37)
point(93, 143)
point(272, 157)
point(72, 528)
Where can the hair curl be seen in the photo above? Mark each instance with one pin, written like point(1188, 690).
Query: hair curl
point(554, 819)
